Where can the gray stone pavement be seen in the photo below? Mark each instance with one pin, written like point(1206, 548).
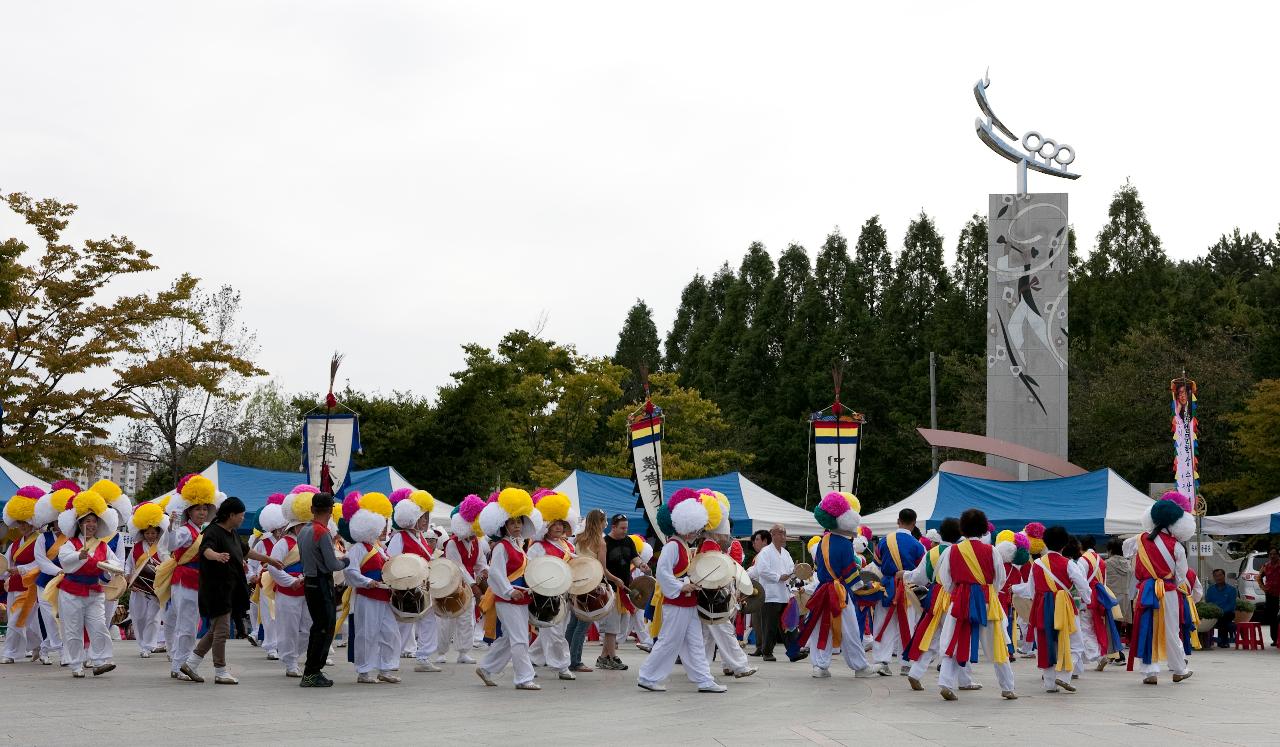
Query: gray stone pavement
point(1234, 698)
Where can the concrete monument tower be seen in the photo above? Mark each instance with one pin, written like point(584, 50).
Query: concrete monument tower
point(1027, 327)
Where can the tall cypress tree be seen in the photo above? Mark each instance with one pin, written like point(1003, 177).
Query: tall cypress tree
point(968, 321)
point(691, 299)
point(872, 266)
point(637, 347)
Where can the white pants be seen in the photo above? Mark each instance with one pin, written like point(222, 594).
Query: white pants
point(851, 648)
point(721, 636)
point(681, 635)
point(554, 645)
point(640, 627)
point(19, 642)
point(184, 616)
point(52, 635)
point(79, 614)
point(459, 631)
point(1174, 654)
point(421, 636)
point(1092, 652)
point(377, 636)
point(920, 665)
point(292, 629)
point(260, 614)
point(144, 611)
point(512, 645)
point(955, 673)
point(891, 644)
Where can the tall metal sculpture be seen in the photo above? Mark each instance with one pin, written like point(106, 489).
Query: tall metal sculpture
point(1027, 328)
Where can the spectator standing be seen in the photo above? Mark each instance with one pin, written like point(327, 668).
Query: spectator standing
point(774, 567)
point(319, 563)
point(1269, 580)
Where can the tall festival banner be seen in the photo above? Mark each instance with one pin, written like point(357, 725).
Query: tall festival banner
point(837, 434)
point(1186, 437)
point(329, 440)
point(644, 431)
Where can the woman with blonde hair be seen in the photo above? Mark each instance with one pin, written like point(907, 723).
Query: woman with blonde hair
point(590, 542)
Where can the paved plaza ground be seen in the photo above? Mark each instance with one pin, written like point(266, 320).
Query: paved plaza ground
point(1234, 698)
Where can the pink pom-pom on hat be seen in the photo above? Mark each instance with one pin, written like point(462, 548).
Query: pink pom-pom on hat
point(185, 479)
point(304, 488)
point(276, 499)
point(865, 531)
point(1177, 498)
point(493, 497)
point(399, 495)
point(1035, 530)
point(30, 491)
point(1021, 540)
point(471, 507)
point(834, 504)
point(540, 492)
point(64, 485)
point(350, 504)
point(991, 528)
point(680, 496)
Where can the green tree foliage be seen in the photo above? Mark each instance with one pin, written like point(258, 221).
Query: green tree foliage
point(637, 347)
point(1258, 439)
point(72, 354)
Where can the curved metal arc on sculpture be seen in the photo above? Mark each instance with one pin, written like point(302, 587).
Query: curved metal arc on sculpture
point(1050, 463)
point(980, 93)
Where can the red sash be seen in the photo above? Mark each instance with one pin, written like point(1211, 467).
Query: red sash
point(23, 552)
point(372, 568)
point(85, 580)
point(188, 575)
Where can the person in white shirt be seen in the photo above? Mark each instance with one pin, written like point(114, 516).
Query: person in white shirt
point(81, 603)
point(470, 553)
point(773, 568)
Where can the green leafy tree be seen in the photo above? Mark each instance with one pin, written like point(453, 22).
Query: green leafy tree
point(70, 349)
point(677, 342)
point(1257, 436)
point(637, 348)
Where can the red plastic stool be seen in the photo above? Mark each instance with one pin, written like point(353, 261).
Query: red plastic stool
point(1249, 636)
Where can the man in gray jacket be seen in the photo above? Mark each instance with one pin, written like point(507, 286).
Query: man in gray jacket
point(319, 562)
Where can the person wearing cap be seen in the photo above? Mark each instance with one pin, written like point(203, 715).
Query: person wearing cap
point(271, 526)
point(222, 583)
point(147, 526)
point(177, 581)
point(23, 634)
point(971, 573)
point(285, 585)
point(87, 522)
point(1160, 568)
point(467, 550)
point(414, 535)
point(48, 544)
point(556, 510)
point(374, 635)
point(319, 563)
point(507, 600)
point(679, 632)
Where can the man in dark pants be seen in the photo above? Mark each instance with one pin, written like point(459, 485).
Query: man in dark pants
point(315, 548)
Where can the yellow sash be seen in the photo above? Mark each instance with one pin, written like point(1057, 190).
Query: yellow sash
point(26, 601)
point(995, 613)
point(941, 604)
point(489, 602)
point(164, 572)
point(346, 595)
point(1064, 617)
point(655, 625)
point(1157, 615)
point(268, 582)
point(842, 592)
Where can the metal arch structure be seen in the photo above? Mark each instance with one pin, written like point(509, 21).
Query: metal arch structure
point(1051, 463)
point(1040, 154)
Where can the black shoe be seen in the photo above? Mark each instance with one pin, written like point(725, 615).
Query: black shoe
point(308, 680)
point(322, 681)
point(755, 653)
point(618, 665)
point(800, 656)
point(770, 657)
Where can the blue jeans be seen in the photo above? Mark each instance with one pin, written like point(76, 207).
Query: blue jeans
point(576, 634)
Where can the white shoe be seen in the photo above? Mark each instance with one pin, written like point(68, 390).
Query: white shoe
point(821, 674)
point(905, 670)
point(714, 687)
point(864, 673)
point(273, 656)
point(366, 679)
point(484, 676)
point(971, 686)
point(293, 673)
point(652, 686)
point(341, 644)
point(46, 659)
point(389, 677)
point(6, 660)
point(882, 669)
point(566, 675)
point(223, 677)
point(78, 673)
point(408, 655)
point(463, 659)
point(440, 659)
point(744, 673)
point(528, 686)
point(145, 654)
point(425, 666)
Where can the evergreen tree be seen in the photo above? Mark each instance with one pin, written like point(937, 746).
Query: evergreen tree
point(691, 299)
point(968, 321)
point(872, 266)
point(637, 348)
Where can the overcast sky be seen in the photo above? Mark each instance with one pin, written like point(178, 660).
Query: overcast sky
point(393, 180)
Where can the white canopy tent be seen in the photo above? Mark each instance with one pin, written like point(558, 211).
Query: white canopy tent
point(1263, 518)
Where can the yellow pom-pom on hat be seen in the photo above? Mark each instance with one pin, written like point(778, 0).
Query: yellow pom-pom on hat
point(89, 502)
point(554, 507)
point(301, 506)
point(377, 503)
point(515, 502)
point(199, 491)
point(423, 500)
point(19, 508)
point(147, 516)
point(715, 513)
point(812, 543)
point(107, 489)
point(337, 511)
point(1005, 535)
point(638, 541)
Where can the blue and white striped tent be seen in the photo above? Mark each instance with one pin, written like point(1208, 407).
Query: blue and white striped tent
point(13, 477)
point(751, 507)
point(1263, 518)
point(253, 485)
point(1097, 503)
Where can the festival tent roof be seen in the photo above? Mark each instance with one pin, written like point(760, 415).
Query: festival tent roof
point(13, 477)
point(751, 507)
point(1099, 502)
point(253, 485)
point(1263, 518)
